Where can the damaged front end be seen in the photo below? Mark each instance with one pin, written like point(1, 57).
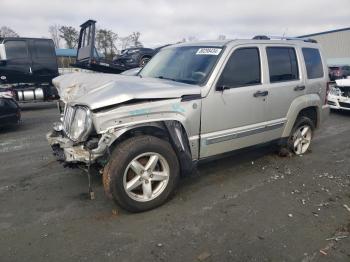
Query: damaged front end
point(339, 95)
point(74, 140)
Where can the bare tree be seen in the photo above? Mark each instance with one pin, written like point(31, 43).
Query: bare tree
point(105, 41)
point(54, 31)
point(125, 42)
point(135, 38)
point(132, 40)
point(70, 35)
point(7, 32)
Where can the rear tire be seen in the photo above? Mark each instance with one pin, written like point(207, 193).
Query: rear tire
point(142, 173)
point(301, 136)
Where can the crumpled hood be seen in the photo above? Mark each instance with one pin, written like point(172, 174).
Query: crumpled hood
point(98, 90)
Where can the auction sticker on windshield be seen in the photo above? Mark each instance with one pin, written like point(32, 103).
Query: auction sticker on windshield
point(208, 51)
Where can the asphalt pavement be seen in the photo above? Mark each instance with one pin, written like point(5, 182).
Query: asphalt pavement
point(253, 206)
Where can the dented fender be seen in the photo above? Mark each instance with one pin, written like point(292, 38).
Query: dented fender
point(116, 121)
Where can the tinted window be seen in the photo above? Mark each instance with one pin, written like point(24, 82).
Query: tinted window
point(43, 48)
point(313, 63)
point(16, 49)
point(242, 69)
point(283, 65)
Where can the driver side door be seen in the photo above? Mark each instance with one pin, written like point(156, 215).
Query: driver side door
point(234, 112)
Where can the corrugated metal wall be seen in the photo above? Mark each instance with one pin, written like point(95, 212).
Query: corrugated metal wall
point(335, 45)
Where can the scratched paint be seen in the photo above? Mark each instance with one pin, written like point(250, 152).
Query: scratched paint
point(137, 112)
point(178, 108)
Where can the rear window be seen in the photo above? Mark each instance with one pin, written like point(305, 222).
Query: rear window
point(242, 69)
point(313, 63)
point(16, 49)
point(43, 48)
point(283, 65)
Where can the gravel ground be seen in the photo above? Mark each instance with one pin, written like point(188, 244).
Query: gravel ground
point(254, 206)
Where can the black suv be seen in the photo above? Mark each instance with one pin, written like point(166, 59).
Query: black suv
point(134, 57)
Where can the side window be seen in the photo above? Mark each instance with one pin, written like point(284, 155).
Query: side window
point(242, 69)
point(43, 48)
point(313, 63)
point(16, 49)
point(283, 65)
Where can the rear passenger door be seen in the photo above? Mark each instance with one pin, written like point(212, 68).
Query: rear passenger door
point(284, 81)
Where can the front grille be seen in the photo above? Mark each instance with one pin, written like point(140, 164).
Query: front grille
point(68, 119)
point(331, 103)
point(347, 105)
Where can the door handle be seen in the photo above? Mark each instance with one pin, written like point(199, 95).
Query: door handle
point(261, 93)
point(299, 88)
point(30, 70)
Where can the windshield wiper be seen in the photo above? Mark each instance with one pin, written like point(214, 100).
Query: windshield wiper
point(166, 78)
point(177, 80)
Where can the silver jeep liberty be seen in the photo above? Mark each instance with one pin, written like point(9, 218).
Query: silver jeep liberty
point(192, 101)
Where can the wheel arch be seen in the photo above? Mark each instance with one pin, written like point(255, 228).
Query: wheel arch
point(309, 106)
point(172, 131)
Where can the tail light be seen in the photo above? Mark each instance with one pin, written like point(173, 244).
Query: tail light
point(327, 92)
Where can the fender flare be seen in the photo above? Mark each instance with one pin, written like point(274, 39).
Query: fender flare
point(177, 137)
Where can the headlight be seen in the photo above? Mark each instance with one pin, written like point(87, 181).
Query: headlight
point(77, 123)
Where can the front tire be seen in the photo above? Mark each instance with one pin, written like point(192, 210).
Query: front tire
point(142, 173)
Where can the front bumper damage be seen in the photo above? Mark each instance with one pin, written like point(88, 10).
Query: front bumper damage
point(66, 151)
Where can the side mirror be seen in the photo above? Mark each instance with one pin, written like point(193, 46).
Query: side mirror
point(221, 88)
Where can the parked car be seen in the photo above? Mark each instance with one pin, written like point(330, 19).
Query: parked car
point(134, 57)
point(339, 72)
point(10, 113)
point(27, 66)
point(339, 95)
point(191, 102)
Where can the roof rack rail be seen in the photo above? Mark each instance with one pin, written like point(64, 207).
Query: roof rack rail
point(264, 37)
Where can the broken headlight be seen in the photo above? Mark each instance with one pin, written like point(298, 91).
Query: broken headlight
point(77, 122)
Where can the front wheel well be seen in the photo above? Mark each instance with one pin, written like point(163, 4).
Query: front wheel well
point(143, 130)
point(170, 131)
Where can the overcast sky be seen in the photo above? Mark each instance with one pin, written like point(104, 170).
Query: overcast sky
point(166, 21)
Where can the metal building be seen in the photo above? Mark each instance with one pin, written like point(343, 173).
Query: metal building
point(335, 45)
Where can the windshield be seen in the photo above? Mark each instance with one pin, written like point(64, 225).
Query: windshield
point(188, 64)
